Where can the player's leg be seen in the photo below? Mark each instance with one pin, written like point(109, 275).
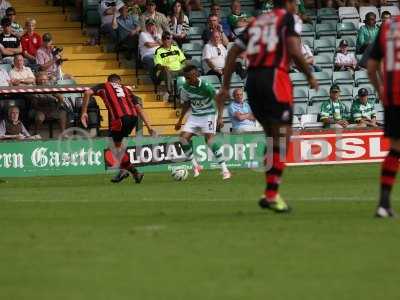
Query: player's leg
point(187, 146)
point(216, 148)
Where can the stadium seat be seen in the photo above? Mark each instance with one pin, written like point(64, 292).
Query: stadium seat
point(298, 79)
point(299, 108)
point(311, 13)
point(323, 77)
point(198, 16)
point(348, 12)
point(346, 92)
point(327, 44)
point(193, 48)
point(300, 94)
point(343, 77)
point(308, 30)
point(379, 107)
point(236, 81)
point(296, 122)
point(212, 79)
point(347, 28)
point(195, 32)
point(6, 67)
point(380, 117)
point(325, 29)
point(394, 10)
point(321, 95)
point(66, 82)
point(309, 41)
point(324, 60)
point(197, 61)
point(361, 77)
point(327, 14)
point(366, 9)
point(310, 121)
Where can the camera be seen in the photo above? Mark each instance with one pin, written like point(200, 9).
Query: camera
point(57, 50)
point(111, 4)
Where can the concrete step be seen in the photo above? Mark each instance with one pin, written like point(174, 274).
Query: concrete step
point(95, 79)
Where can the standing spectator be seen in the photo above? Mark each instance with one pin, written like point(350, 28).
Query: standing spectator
point(238, 20)
point(334, 114)
point(20, 74)
point(16, 29)
point(240, 112)
point(345, 60)
point(169, 61)
point(30, 42)
point(9, 43)
point(367, 33)
point(214, 25)
point(179, 24)
point(4, 78)
point(386, 15)
point(214, 55)
point(46, 106)
point(215, 9)
point(149, 41)
point(3, 7)
point(12, 127)
point(48, 58)
point(159, 19)
point(363, 110)
point(108, 9)
point(127, 27)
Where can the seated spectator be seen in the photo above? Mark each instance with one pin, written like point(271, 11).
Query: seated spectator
point(367, 33)
point(30, 42)
point(12, 127)
point(159, 19)
point(215, 9)
point(241, 115)
point(169, 61)
point(213, 25)
point(3, 7)
point(9, 43)
point(385, 16)
point(5, 79)
point(16, 29)
point(149, 41)
point(193, 5)
point(214, 56)
point(345, 60)
point(363, 110)
point(334, 114)
point(49, 59)
point(238, 20)
point(108, 9)
point(135, 7)
point(46, 106)
point(179, 24)
point(127, 27)
point(19, 74)
point(263, 6)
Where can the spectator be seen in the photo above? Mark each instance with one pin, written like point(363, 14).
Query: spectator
point(48, 58)
point(149, 41)
point(3, 7)
point(159, 19)
point(367, 33)
point(135, 7)
point(16, 29)
point(215, 9)
point(263, 6)
point(9, 43)
point(345, 60)
point(193, 5)
point(12, 127)
point(179, 24)
point(214, 55)
point(127, 27)
point(108, 9)
point(363, 110)
point(309, 56)
point(213, 25)
point(238, 20)
point(20, 74)
point(386, 15)
point(334, 114)
point(169, 61)
point(240, 112)
point(30, 42)
point(46, 106)
point(4, 78)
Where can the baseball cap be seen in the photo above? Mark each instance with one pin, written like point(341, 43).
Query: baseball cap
point(47, 37)
point(343, 43)
point(362, 92)
point(150, 22)
point(335, 88)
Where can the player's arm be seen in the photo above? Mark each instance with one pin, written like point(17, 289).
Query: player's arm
point(85, 102)
point(145, 119)
point(185, 109)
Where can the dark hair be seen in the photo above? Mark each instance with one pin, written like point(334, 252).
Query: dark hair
point(385, 13)
point(181, 17)
point(281, 3)
point(370, 14)
point(189, 68)
point(5, 22)
point(214, 5)
point(10, 10)
point(113, 78)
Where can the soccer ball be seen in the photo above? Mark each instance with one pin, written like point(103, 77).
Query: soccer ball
point(180, 174)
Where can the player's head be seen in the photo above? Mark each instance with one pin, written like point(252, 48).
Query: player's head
point(114, 78)
point(191, 74)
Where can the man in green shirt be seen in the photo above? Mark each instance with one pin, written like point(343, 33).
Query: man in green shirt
point(367, 33)
point(169, 61)
point(363, 110)
point(238, 20)
point(199, 96)
point(334, 114)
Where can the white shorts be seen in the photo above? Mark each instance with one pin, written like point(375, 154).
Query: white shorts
point(201, 124)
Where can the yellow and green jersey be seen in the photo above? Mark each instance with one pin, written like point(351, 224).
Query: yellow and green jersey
point(172, 58)
point(362, 111)
point(201, 98)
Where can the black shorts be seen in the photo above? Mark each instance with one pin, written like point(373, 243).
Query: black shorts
point(392, 122)
point(122, 128)
point(262, 87)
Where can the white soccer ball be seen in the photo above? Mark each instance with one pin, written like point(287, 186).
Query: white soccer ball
point(180, 174)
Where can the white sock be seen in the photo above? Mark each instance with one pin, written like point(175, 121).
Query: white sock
point(224, 167)
point(195, 163)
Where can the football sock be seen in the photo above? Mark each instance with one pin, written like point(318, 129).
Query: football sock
point(390, 167)
point(274, 174)
point(187, 148)
point(217, 150)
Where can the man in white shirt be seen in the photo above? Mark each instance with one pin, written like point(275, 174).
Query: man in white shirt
point(345, 60)
point(20, 74)
point(214, 55)
point(149, 41)
point(4, 78)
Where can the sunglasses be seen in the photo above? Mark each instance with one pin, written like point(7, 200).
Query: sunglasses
point(167, 38)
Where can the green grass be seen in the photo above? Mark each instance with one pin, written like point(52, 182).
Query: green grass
point(83, 238)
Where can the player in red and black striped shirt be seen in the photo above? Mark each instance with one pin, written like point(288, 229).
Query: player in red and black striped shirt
point(123, 112)
point(271, 43)
point(386, 80)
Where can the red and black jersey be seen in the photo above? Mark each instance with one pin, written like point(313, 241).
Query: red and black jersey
point(265, 40)
point(118, 100)
point(387, 48)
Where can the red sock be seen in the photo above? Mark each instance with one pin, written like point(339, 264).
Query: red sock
point(125, 162)
point(273, 175)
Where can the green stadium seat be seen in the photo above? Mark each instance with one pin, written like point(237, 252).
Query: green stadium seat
point(66, 82)
point(193, 48)
point(346, 92)
point(321, 95)
point(324, 60)
point(323, 77)
point(212, 79)
point(327, 44)
point(308, 30)
point(300, 94)
point(196, 61)
point(361, 77)
point(325, 29)
point(347, 28)
point(343, 77)
point(195, 32)
point(6, 67)
point(309, 41)
point(298, 79)
point(327, 14)
point(299, 108)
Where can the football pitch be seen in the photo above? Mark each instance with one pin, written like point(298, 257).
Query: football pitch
point(83, 238)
